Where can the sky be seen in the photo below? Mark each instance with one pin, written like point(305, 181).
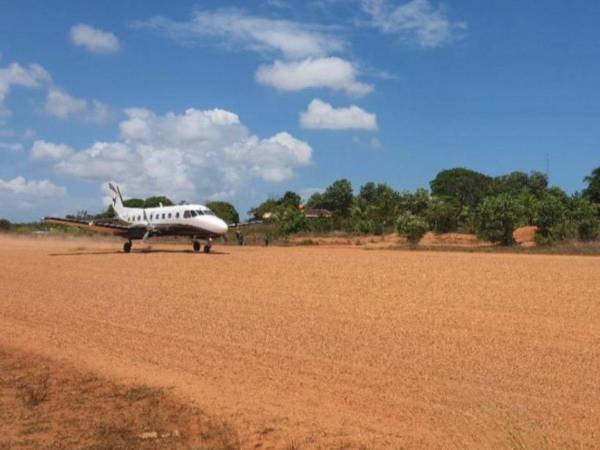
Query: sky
point(238, 101)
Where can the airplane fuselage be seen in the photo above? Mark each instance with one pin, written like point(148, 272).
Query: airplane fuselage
point(184, 220)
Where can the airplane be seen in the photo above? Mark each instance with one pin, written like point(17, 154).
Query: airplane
point(193, 220)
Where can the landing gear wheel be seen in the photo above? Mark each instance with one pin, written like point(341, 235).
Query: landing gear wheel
point(127, 247)
point(196, 246)
point(207, 249)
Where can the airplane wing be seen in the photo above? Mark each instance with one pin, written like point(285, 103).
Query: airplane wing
point(101, 226)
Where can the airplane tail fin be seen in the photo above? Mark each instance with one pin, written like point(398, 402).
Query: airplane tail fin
point(117, 200)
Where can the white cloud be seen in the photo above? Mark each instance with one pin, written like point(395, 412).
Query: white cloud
point(63, 105)
point(331, 72)
point(20, 186)
point(237, 29)
point(11, 146)
point(32, 76)
point(195, 153)
point(48, 150)
point(93, 39)
point(60, 104)
point(416, 21)
point(321, 115)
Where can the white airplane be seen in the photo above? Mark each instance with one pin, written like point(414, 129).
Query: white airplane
point(195, 221)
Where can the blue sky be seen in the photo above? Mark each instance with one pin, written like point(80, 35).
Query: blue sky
point(241, 100)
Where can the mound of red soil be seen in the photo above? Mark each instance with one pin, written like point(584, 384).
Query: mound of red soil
point(525, 236)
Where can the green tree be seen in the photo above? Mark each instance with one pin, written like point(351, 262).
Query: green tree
point(415, 202)
point(134, 203)
point(290, 220)
point(584, 214)
point(290, 199)
point(378, 204)
point(592, 191)
point(266, 207)
point(551, 218)
point(465, 186)
point(412, 227)
point(517, 183)
point(498, 216)
point(225, 211)
point(154, 202)
point(443, 215)
point(5, 225)
point(530, 205)
point(337, 198)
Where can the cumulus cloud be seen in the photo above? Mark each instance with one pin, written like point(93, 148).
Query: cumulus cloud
point(93, 39)
point(321, 115)
point(416, 21)
point(63, 105)
point(194, 153)
point(331, 72)
point(32, 76)
point(304, 51)
point(238, 29)
point(48, 150)
point(32, 188)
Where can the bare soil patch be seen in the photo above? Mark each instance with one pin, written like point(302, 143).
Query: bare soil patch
point(48, 404)
point(325, 347)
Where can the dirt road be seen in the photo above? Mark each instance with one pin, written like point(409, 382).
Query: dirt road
point(327, 346)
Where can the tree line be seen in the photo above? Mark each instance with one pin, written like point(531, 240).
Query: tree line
point(459, 200)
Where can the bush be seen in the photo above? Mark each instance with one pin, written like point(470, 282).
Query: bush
point(411, 226)
point(551, 219)
point(442, 215)
point(5, 225)
point(498, 217)
point(291, 221)
point(585, 217)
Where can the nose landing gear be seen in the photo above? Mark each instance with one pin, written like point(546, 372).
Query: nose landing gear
point(127, 247)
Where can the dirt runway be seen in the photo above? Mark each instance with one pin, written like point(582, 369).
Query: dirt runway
point(327, 347)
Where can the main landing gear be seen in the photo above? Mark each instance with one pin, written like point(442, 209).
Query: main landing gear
point(127, 247)
point(197, 245)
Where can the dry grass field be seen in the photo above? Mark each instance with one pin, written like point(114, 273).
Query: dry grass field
point(301, 347)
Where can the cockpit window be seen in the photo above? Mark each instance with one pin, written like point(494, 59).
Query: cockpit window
point(193, 213)
point(186, 215)
point(208, 212)
point(200, 213)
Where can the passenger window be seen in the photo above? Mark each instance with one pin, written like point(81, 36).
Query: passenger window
point(169, 215)
point(163, 215)
point(177, 215)
point(139, 218)
point(186, 215)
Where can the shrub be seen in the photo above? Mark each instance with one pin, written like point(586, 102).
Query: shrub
point(290, 221)
point(498, 216)
point(585, 217)
point(442, 215)
point(5, 225)
point(551, 219)
point(411, 226)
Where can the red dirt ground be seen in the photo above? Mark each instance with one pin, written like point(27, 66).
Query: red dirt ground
point(327, 347)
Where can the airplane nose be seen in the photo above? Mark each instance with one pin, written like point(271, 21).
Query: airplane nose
point(216, 225)
point(222, 226)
